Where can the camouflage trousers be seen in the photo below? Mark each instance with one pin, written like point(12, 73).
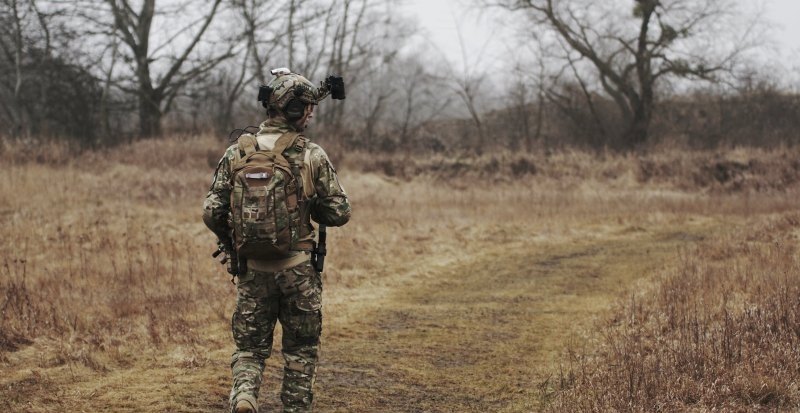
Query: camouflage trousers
point(293, 297)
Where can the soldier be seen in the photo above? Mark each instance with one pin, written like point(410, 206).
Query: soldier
point(276, 280)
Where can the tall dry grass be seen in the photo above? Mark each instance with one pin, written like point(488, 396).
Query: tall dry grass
point(720, 332)
point(105, 260)
point(736, 170)
point(104, 250)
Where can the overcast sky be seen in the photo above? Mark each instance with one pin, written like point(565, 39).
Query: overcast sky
point(441, 19)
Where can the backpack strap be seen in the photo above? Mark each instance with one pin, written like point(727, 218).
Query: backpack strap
point(298, 144)
point(247, 144)
point(296, 159)
point(284, 141)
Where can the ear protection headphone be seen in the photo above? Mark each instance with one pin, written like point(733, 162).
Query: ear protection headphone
point(295, 108)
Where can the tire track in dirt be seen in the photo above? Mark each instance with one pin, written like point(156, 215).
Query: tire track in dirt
point(483, 333)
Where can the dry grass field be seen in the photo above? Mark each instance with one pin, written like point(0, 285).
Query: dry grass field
point(553, 282)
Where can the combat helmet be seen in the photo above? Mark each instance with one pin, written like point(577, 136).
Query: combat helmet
point(290, 92)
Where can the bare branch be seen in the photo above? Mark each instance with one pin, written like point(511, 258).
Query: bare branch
point(165, 81)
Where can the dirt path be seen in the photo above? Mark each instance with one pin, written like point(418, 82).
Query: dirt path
point(483, 333)
point(480, 331)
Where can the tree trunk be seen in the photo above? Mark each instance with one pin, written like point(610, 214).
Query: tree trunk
point(290, 34)
point(223, 120)
point(134, 30)
point(105, 112)
point(639, 126)
point(149, 116)
point(16, 129)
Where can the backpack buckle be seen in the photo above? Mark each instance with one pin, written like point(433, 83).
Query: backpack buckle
point(300, 144)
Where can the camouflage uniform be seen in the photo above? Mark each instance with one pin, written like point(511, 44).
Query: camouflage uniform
point(289, 290)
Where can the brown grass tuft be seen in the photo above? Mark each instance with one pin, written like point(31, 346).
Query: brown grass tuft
point(739, 170)
point(719, 333)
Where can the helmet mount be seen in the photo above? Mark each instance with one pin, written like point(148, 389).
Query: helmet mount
point(289, 92)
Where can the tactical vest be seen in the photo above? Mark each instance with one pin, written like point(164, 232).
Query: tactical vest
point(269, 208)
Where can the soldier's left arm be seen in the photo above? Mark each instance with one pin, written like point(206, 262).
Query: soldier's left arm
point(330, 206)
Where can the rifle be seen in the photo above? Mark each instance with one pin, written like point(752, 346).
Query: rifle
point(230, 258)
point(318, 255)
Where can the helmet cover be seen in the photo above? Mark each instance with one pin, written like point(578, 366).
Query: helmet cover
point(288, 86)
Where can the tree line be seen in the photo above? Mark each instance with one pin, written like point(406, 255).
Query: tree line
point(624, 74)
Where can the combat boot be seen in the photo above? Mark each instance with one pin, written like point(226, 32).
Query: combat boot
point(245, 405)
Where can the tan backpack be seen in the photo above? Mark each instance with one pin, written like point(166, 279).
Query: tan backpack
point(268, 204)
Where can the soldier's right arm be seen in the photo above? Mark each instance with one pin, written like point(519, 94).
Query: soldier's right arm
point(217, 205)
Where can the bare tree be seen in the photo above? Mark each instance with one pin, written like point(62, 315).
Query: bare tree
point(528, 96)
point(155, 96)
point(421, 98)
point(468, 88)
point(262, 35)
point(377, 106)
point(631, 54)
point(541, 86)
point(105, 111)
point(569, 92)
point(44, 90)
point(12, 43)
point(349, 50)
point(519, 109)
point(467, 84)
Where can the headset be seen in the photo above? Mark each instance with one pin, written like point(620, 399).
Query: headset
point(295, 108)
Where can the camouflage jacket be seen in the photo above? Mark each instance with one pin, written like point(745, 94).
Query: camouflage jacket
point(329, 204)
